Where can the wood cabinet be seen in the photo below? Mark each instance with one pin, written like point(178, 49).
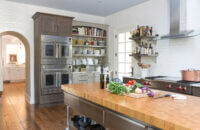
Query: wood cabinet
point(54, 24)
point(64, 26)
point(47, 24)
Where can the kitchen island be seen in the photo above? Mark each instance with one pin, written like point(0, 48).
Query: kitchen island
point(164, 113)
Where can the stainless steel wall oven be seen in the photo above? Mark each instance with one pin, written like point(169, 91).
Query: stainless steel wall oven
point(56, 49)
point(56, 61)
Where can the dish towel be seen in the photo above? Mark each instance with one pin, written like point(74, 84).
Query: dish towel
point(178, 96)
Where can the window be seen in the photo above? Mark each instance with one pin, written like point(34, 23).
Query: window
point(124, 50)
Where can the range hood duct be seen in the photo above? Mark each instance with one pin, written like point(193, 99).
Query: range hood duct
point(178, 21)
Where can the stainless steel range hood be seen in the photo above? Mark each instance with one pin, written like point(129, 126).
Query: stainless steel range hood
point(178, 21)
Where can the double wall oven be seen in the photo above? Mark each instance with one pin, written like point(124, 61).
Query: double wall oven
point(56, 61)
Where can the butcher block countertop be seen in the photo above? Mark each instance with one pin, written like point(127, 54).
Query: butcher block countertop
point(165, 113)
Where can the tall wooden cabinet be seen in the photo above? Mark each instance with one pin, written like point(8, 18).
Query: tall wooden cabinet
point(47, 24)
point(54, 25)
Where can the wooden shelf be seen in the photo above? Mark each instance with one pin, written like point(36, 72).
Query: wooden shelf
point(88, 36)
point(149, 38)
point(141, 55)
point(94, 65)
point(89, 55)
point(143, 37)
point(92, 46)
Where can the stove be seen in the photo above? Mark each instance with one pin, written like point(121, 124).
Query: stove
point(187, 82)
point(171, 84)
point(155, 77)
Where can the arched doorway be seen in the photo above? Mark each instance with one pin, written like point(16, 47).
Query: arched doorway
point(27, 63)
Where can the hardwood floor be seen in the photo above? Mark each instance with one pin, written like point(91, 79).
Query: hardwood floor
point(17, 114)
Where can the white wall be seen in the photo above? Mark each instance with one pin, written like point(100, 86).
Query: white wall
point(174, 55)
point(18, 17)
point(1, 76)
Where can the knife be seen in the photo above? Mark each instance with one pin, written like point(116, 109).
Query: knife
point(166, 95)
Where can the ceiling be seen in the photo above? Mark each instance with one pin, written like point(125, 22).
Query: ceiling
point(10, 39)
point(94, 7)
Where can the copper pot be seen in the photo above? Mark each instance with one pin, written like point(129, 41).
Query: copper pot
point(191, 75)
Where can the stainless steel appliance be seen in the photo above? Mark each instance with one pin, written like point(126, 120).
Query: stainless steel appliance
point(53, 76)
point(56, 62)
point(56, 49)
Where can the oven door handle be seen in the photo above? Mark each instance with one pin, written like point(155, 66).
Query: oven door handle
point(63, 70)
point(70, 51)
point(57, 50)
point(58, 79)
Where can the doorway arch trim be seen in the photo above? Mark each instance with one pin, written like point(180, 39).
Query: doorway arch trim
point(27, 64)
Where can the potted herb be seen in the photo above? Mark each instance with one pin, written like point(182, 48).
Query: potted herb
point(76, 68)
point(83, 68)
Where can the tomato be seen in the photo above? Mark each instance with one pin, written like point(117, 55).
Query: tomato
point(127, 85)
point(131, 82)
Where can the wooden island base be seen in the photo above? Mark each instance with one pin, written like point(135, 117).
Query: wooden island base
point(126, 113)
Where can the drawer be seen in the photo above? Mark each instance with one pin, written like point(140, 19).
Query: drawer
point(83, 77)
point(91, 110)
point(83, 81)
point(114, 121)
point(72, 101)
point(196, 91)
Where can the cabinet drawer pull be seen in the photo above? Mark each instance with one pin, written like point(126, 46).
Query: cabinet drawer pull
point(83, 75)
point(83, 80)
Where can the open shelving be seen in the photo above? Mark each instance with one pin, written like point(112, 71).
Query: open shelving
point(140, 55)
point(144, 37)
point(148, 38)
point(88, 55)
point(89, 36)
point(92, 46)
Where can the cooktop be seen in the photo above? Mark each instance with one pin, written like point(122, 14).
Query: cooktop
point(173, 79)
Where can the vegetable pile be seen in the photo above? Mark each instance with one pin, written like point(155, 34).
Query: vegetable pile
point(131, 87)
point(117, 88)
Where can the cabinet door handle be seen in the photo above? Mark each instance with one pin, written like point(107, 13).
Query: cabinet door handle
point(58, 79)
point(83, 75)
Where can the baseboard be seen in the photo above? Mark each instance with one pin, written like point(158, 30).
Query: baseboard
point(17, 81)
point(13, 81)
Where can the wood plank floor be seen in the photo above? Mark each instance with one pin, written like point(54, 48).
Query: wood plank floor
point(17, 114)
